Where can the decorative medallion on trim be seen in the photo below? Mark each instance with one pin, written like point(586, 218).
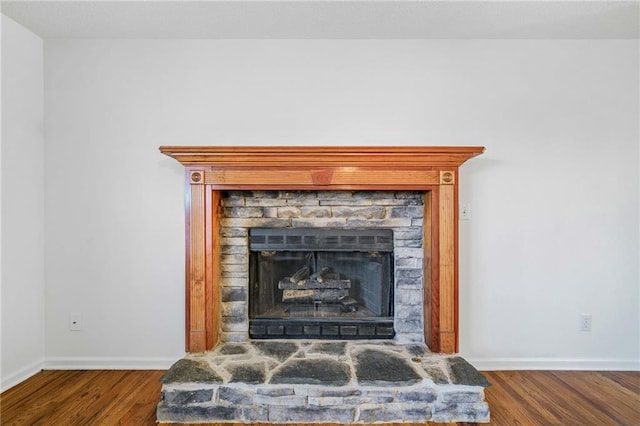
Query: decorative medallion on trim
point(321, 177)
point(196, 177)
point(447, 178)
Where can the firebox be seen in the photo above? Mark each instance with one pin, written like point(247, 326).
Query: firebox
point(321, 283)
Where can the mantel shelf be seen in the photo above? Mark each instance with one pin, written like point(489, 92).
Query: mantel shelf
point(385, 157)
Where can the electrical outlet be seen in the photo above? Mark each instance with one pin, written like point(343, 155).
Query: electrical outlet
point(75, 323)
point(465, 211)
point(585, 322)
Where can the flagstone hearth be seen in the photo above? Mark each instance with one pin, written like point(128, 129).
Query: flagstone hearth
point(311, 381)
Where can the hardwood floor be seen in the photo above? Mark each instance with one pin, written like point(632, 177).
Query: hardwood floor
point(564, 398)
point(516, 398)
point(96, 397)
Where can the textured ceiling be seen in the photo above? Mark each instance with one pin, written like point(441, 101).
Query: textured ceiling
point(327, 19)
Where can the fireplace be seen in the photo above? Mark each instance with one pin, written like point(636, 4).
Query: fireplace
point(321, 286)
point(320, 283)
point(430, 171)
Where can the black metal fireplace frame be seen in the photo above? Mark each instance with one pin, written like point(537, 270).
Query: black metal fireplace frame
point(327, 240)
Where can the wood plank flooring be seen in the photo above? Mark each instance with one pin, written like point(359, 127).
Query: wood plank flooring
point(516, 398)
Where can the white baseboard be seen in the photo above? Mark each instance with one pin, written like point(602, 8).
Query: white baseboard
point(104, 363)
point(21, 375)
point(482, 364)
point(570, 364)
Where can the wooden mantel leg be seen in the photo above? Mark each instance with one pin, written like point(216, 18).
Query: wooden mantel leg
point(447, 262)
point(202, 267)
point(195, 311)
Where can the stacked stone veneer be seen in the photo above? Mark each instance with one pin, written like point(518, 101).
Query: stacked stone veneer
point(322, 382)
point(401, 211)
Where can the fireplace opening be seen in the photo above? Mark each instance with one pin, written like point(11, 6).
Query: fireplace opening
point(321, 283)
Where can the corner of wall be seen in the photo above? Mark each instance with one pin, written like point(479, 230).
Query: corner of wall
point(21, 204)
point(20, 375)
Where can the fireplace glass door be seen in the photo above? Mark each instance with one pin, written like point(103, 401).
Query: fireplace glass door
point(321, 283)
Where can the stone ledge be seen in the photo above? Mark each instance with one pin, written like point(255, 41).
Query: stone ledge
point(303, 381)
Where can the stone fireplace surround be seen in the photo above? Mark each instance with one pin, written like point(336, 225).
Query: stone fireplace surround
point(401, 211)
point(218, 181)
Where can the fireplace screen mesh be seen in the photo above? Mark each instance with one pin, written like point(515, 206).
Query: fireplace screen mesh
point(321, 283)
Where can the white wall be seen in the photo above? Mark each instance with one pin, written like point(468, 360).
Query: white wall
point(22, 192)
point(554, 227)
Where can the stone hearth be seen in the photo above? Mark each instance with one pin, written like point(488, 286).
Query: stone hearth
point(310, 381)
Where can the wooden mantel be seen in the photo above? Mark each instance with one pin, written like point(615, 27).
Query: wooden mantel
point(212, 169)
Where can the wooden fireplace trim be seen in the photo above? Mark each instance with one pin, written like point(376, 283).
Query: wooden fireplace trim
point(212, 169)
